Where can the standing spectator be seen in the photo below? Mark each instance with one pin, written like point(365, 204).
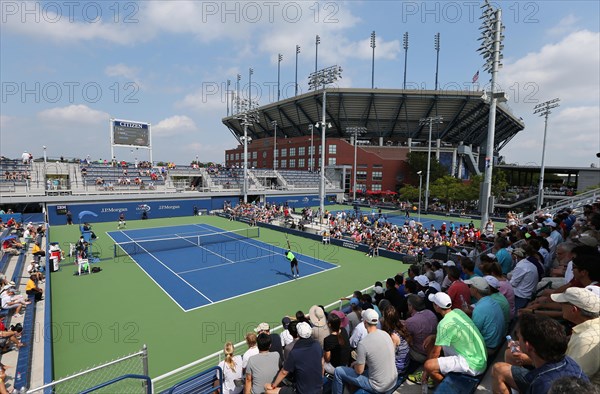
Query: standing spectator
point(232, 371)
point(421, 324)
point(317, 318)
point(544, 341)
point(252, 349)
point(376, 351)
point(463, 345)
point(262, 367)
point(305, 362)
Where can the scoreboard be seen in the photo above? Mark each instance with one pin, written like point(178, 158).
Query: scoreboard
point(131, 133)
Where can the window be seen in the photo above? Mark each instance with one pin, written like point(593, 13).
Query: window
point(331, 161)
point(311, 150)
point(292, 151)
point(237, 156)
point(301, 163)
point(292, 163)
point(311, 163)
point(377, 175)
point(361, 175)
point(283, 152)
point(376, 188)
point(361, 186)
point(254, 163)
point(301, 152)
point(283, 163)
point(254, 155)
point(332, 149)
point(319, 149)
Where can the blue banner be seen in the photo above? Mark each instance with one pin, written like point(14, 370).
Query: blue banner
point(301, 201)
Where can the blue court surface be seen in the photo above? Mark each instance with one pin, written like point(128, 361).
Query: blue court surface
point(196, 274)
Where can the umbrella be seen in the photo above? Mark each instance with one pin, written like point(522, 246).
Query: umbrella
point(441, 252)
point(9, 238)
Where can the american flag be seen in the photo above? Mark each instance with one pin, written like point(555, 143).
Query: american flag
point(476, 76)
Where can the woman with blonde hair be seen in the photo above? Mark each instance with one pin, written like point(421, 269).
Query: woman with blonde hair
point(232, 371)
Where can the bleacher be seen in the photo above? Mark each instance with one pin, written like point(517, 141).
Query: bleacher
point(109, 178)
point(301, 179)
point(13, 173)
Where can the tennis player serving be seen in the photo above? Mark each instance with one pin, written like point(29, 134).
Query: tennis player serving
point(293, 263)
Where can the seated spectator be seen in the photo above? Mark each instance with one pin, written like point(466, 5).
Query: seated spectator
point(232, 371)
point(319, 324)
point(524, 279)
point(264, 328)
point(458, 291)
point(421, 324)
point(292, 328)
point(401, 338)
point(377, 353)
point(487, 314)
point(37, 251)
point(582, 308)
point(262, 367)
point(8, 337)
point(504, 287)
point(286, 337)
point(464, 347)
point(336, 346)
point(544, 341)
point(499, 298)
point(32, 289)
point(10, 300)
point(304, 362)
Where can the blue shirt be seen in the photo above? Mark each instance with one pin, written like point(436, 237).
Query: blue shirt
point(540, 379)
point(505, 260)
point(489, 319)
point(305, 362)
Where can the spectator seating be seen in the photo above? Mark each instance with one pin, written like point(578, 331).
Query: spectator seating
point(204, 382)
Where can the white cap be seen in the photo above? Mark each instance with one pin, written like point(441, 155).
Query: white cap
point(441, 299)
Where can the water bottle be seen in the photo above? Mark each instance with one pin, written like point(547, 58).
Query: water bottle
point(514, 345)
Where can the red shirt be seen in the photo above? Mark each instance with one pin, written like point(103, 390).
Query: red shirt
point(456, 289)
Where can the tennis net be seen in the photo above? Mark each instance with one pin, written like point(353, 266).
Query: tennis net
point(161, 244)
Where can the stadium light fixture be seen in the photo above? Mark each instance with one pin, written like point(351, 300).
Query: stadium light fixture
point(544, 109)
point(274, 123)
point(279, 59)
point(373, 60)
point(420, 174)
point(322, 78)
point(430, 120)
point(296, 84)
point(356, 130)
point(317, 42)
point(491, 47)
point(436, 40)
point(405, 45)
point(311, 166)
point(237, 95)
point(250, 73)
point(247, 117)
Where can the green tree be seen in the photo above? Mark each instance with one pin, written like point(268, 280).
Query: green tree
point(447, 189)
point(417, 161)
point(409, 193)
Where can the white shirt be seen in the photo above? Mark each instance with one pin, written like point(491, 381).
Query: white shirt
point(286, 338)
point(524, 279)
point(360, 331)
point(569, 272)
point(249, 353)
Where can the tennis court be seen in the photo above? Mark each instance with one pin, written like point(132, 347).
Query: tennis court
point(196, 264)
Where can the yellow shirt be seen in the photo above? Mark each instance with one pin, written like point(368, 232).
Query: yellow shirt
point(30, 285)
point(584, 348)
point(36, 249)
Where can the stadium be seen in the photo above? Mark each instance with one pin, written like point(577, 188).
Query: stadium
point(122, 276)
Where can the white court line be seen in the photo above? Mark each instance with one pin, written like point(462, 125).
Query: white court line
point(263, 288)
point(173, 272)
point(208, 250)
point(300, 254)
point(230, 262)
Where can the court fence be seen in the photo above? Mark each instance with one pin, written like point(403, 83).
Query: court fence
point(167, 380)
point(132, 364)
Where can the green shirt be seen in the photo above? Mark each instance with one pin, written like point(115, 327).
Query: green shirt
point(457, 330)
point(503, 302)
point(290, 256)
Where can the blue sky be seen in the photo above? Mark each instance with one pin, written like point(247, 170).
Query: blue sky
point(67, 67)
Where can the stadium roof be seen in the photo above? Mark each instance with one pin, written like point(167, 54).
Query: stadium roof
point(389, 113)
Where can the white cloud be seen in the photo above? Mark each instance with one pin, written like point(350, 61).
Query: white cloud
point(564, 26)
point(80, 114)
point(5, 120)
point(174, 125)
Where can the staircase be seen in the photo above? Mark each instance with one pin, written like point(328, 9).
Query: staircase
point(467, 154)
point(576, 202)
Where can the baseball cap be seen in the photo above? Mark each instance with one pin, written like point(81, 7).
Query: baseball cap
point(354, 301)
point(262, 327)
point(594, 289)
point(370, 316)
point(285, 322)
point(304, 330)
point(441, 299)
point(587, 239)
point(492, 281)
point(519, 252)
point(435, 285)
point(422, 280)
point(491, 256)
point(581, 298)
point(449, 263)
point(478, 282)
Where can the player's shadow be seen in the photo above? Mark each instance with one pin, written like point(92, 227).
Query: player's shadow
point(287, 275)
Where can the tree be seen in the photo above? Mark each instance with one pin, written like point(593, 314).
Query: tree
point(417, 161)
point(409, 193)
